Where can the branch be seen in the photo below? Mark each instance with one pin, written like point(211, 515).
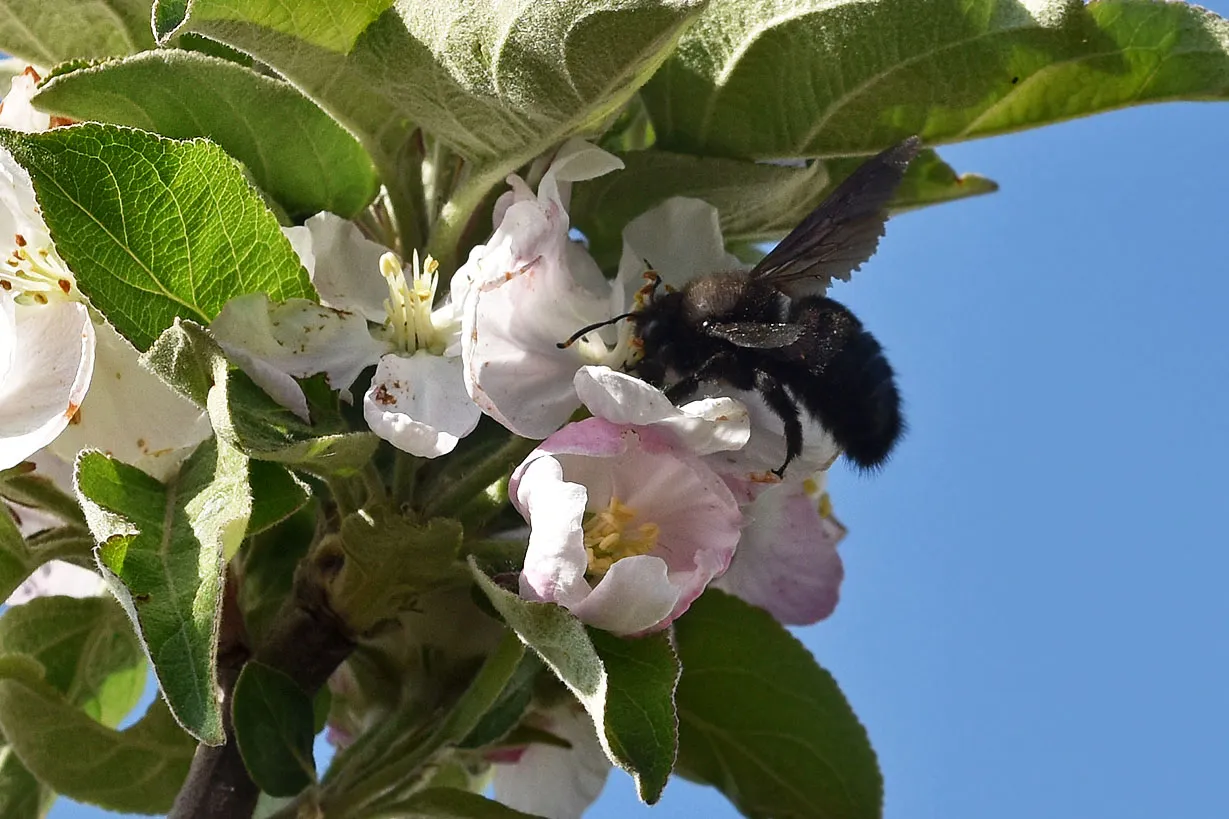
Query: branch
point(307, 642)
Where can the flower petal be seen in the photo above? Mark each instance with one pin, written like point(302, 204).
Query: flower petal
point(47, 368)
point(680, 239)
point(634, 597)
point(16, 112)
point(419, 404)
point(276, 343)
point(555, 562)
point(787, 562)
point(346, 269)
point(551, 781)
point(131, 414)
point(704, 426)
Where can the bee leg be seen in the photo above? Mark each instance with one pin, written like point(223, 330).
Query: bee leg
point(780, 402)
point(711, 369)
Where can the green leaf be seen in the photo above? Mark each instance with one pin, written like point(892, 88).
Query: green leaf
point(274, 728)
point(756, 202)
point(266, 568)
point(389, 560)
point(295, 152)
point(138, 770)
point(277, 493)
point(27, 488)
point(21, 795)
point(87, 649)
point(508, 709)
point(15, 559)
point(154, 228)
point(46, 32)
point(449, 803)
point(821, 78)
point(164, 548)
point(627, 686)
point(499, 83)
point(244, 415)
point(323, 23)
point(763, 723)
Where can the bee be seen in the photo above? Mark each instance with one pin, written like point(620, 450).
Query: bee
point(771, 330)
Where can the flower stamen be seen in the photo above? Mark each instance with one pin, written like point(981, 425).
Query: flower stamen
point(37, 274)
point(608, 537)
point(409, 304)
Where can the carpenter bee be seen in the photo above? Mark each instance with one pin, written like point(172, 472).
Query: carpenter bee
point(771, 330)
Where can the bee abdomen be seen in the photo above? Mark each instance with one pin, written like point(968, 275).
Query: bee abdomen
point(851, 388)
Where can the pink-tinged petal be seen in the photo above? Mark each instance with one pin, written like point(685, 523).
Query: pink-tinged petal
point(46, 370)
point(131, 414)
point(346, 269)
point(419, 404)
point(555, 562)
point(57, 578)
point(17, 113)
point(704, 426)
point(276, 343)
point(635, 596)
point(787, 561)
point(552, 781)
point(662, 484)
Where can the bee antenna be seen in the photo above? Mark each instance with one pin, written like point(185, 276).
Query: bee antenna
point(563, 345)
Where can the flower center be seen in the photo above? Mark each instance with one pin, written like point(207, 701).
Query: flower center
point(409, 304)
point(36, 274)
point(608, 538)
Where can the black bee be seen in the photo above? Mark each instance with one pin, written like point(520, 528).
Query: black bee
point(771, 330)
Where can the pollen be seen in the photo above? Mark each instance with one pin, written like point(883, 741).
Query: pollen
point(409, 303)
point(609, 537)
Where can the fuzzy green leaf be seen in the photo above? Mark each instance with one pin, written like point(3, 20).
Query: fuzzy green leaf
point(627, 686)
point(164, 548)
point(295, 152)
point(155, 228)
point(138, 770)
point(756, 202)
point(46, 32)
point(822, 78)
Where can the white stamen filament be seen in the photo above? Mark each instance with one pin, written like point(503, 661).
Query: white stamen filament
point(37, 274)
point(409, 304)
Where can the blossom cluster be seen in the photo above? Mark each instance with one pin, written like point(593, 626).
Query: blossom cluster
point(634, 505)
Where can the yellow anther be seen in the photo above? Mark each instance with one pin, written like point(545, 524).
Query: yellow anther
point(608, 537)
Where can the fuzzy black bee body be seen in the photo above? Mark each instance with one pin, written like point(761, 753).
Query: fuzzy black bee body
point(769, 329)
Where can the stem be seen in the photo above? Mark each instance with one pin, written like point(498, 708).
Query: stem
point(405, 473)
point(445, 238)
point(307, 642)
point(374, 483)
point(479, 477)
point(401, 170)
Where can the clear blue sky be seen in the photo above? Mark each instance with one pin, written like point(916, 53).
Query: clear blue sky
point(1034, 618)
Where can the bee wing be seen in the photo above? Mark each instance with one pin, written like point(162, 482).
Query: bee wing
point(755, 334)
point(843, 231)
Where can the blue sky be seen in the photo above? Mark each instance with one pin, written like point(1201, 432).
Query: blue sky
point(1034, 617)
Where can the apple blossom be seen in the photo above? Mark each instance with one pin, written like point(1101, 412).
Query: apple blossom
point(529, 288)
point(57, 577)
point(627, 527)
point(46, 337)
point(16, 111)
point(550, 780)
point(417, 399)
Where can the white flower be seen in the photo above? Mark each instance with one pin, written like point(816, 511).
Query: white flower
point(549, 780)
point(627, 527)
point(16, 111)
point(131, 414)
point(417, 399)
point(46, 338)
point(528, 289)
